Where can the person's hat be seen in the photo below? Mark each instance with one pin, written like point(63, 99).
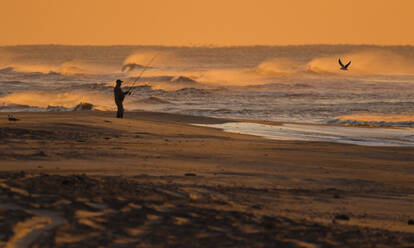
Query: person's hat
point(119, 81)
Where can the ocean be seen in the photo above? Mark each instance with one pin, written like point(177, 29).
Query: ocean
point(296, 84)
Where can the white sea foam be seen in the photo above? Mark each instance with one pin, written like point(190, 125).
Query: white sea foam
point(322, 133)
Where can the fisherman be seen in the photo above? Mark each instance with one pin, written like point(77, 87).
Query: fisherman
point(119, 98)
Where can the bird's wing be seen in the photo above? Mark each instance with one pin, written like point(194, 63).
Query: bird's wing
point(346, 66)
point(340, 63)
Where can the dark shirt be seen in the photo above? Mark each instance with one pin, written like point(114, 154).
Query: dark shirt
point(119, 94)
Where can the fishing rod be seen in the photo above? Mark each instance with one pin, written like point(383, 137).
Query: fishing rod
point(131, 88)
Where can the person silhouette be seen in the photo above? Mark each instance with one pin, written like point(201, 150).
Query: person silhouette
point(119, 98)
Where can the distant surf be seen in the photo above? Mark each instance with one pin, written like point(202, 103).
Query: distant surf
point(301, 84)
point(375, 120)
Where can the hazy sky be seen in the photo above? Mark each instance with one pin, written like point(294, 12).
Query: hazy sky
point(204, 22)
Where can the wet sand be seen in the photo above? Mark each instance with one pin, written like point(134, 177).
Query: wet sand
point(86, 179)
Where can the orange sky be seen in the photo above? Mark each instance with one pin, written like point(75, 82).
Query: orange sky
point(204, 22)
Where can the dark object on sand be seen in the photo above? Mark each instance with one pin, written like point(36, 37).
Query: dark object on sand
point(336, 196)
point(12, 175)
point(344, 67)
point(83, 106)
point(257, 206)
point(81, 181)
point(190, 175)
point(39, 154)
point(342, 217)
point(12, 118)
point(410, 222)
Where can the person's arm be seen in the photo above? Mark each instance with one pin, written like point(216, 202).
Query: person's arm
point(128, 92)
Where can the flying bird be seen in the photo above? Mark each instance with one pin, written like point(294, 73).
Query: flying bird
point(12, 118)
point(344, 67)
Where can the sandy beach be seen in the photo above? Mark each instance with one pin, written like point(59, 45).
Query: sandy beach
point(207, 124)
point(87, 179)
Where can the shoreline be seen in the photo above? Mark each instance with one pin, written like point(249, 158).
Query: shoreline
point(362, 136)
point(152, 163)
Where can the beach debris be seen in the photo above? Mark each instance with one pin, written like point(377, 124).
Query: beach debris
point(39, 154)
point(190, 174)
point(344, 67)
point(12, 118)
point(410, 222)
point(342, 217)
point(257, 206)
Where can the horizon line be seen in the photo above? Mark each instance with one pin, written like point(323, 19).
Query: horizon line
point(209, 45)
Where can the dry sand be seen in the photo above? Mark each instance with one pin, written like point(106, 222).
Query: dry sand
point(86, 179)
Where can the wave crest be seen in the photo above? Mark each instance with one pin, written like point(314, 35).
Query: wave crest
point(375, 120)
point(68, 68)
point(149, 59)
point(45, 100)
point(371, 62)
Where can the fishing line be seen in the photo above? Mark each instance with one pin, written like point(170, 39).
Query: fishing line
point(131, 89)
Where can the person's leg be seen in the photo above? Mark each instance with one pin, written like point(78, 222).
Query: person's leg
point(122, 111)
point(118, 113)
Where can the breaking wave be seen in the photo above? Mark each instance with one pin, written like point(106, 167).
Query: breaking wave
point(163, 82)
point(367, 62)
point(164, 79)
point(183, 79)
point(375, 120)
point(295, 84)
point(281, 67)
point(150, 59)
point(68, 68)
point(131, 66)
point(53, 100)
point(12, 107)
